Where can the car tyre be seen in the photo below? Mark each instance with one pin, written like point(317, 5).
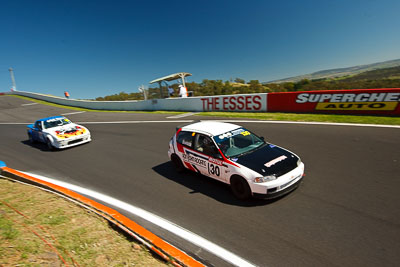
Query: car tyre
point(177, 163)
point(31, 140)
point(49, 144)
point(240, 188)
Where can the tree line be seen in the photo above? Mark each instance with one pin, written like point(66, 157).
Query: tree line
point(385, 78)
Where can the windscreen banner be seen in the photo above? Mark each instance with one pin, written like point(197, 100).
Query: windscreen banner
point(358, 101)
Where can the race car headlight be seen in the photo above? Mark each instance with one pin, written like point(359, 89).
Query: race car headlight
point(264, 179)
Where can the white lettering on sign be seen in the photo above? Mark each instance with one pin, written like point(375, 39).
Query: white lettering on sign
point(350, 97)
point(233, 103)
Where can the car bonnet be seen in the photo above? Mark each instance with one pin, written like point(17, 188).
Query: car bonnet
point(268, 160)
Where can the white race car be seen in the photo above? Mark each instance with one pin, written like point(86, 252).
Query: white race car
point(234, 155)
point(58, 132)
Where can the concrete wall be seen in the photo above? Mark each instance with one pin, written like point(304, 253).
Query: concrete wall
point(245, 102)
point(361, 102)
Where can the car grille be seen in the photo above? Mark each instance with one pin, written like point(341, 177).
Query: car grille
point(74, 141)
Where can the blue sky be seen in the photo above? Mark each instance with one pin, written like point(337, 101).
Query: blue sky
point(98, 48)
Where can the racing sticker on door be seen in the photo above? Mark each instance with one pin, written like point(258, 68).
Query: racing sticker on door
point(204, 164)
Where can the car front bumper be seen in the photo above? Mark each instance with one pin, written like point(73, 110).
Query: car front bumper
point(276, 194)
point(74, 141)
point(282, 185)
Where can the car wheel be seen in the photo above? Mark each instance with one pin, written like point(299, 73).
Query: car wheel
point(49, 144)
point(177, 163)
point(240, 188)
point(31, 140)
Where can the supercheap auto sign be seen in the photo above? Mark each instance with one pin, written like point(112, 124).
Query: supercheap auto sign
point(360, 101)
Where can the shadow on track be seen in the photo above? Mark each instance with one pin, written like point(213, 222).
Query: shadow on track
point(207, 186)
point(45, 148)
point(37, 145)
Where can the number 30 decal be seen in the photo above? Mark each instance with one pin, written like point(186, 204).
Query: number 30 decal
point(213, 169)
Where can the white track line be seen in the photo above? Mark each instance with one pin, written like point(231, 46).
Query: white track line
point(319, 123)
point(71, 113)
point(182, 115)
point(128, 122)
point(102, 122)
point(233, 121)
point(249, 121)
point(29, 104)
point(163, 223)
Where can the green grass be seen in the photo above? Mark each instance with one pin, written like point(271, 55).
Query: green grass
point(55, 217)
point(72, 230)
point(261, 116)
point(7, 229)
point(308, 117)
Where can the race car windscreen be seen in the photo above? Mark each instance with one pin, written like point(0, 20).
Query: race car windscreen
point(56, 122)
point(237, 142)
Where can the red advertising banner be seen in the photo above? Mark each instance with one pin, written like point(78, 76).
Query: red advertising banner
point(357, 101)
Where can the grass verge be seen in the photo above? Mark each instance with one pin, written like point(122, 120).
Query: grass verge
point(75, 233)
point(308, 117)
point(93, 110)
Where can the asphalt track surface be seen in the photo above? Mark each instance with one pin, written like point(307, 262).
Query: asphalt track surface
point(345, 213)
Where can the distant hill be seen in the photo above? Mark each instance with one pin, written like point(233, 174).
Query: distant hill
point(378, 78)
point(341, 72)
point(392, 73)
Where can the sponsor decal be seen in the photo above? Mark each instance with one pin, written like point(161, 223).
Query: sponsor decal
point(233, 133)
point(274, 161)
point(69, 133)
point(55, 119)
point(194, 160)
point(387, 101)
point(357, 106)
point(209, 164)
point(383, 101)
point(215, 161)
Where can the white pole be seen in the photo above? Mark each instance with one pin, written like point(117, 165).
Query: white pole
point(14, 86)
point(143, 90)
point(183, 80)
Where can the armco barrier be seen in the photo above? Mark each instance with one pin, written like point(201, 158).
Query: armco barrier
point(358, 101)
